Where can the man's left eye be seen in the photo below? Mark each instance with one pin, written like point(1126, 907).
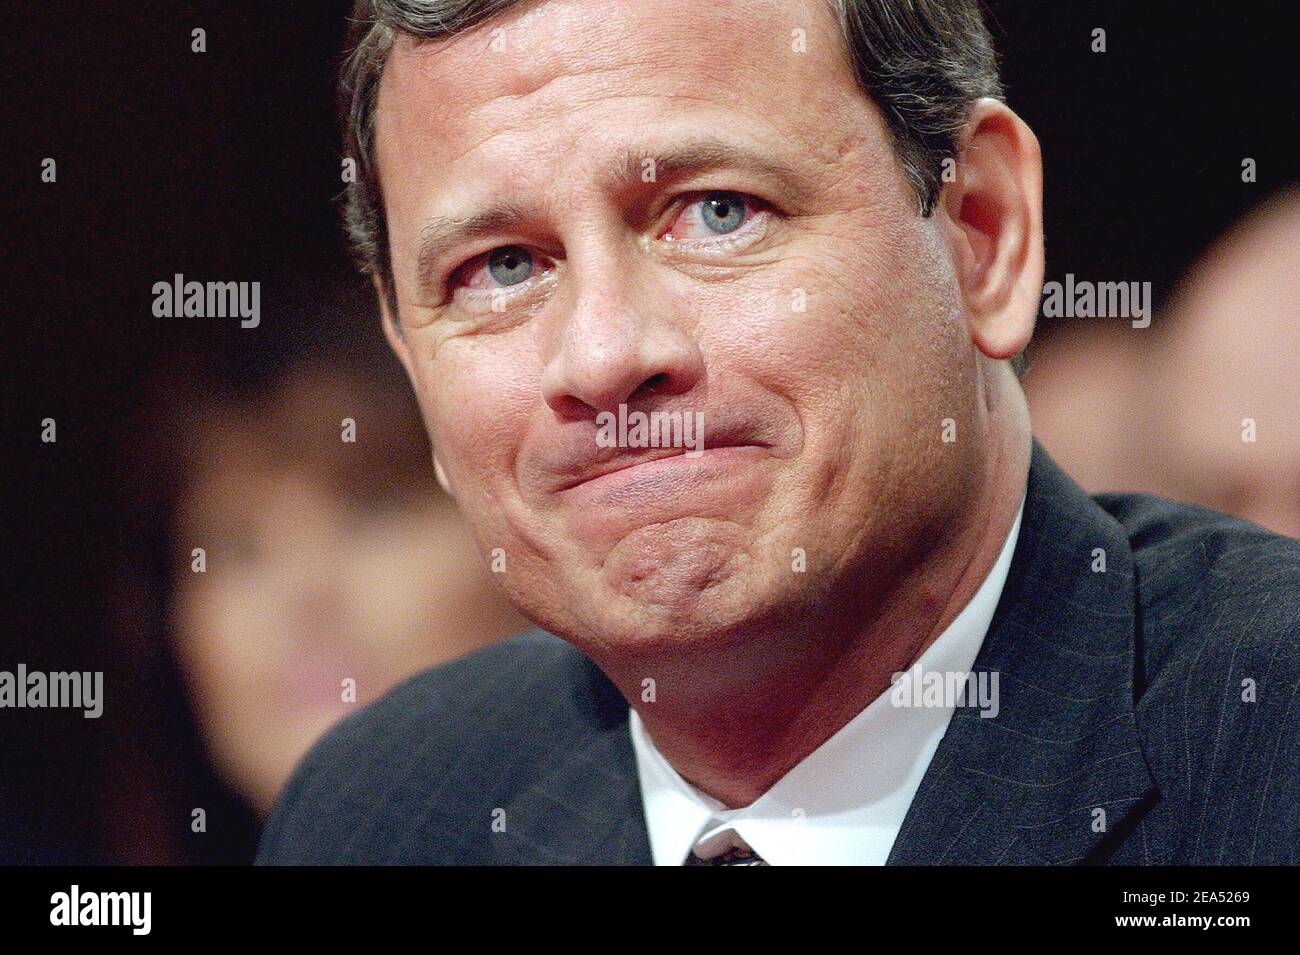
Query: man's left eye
point(714, 214)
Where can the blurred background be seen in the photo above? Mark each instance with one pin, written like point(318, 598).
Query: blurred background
point(330, 561)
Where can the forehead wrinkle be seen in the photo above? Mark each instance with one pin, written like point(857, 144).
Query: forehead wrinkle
point(698, 155)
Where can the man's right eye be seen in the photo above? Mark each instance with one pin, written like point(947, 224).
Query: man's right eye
point(500, 268)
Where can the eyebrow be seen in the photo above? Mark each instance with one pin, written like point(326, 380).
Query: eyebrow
point(440, 234)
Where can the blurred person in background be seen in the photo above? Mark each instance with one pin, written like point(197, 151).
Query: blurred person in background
point(331, 569)
point(1204, 406)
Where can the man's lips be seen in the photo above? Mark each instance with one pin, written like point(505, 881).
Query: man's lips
point(627, 460)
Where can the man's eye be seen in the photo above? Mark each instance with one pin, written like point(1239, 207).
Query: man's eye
point(715, 214)
point(506, 266)
point(510, 265)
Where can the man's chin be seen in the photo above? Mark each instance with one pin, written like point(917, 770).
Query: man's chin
point(670, 618)
point(675, 565)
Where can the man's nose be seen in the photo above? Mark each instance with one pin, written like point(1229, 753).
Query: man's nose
point(613, 351)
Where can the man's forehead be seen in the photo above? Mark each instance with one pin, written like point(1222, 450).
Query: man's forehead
point(556, 55)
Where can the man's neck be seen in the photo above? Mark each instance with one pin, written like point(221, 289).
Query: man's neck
point(795, 692)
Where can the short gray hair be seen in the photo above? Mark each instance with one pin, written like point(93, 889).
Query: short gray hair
point(922, 62)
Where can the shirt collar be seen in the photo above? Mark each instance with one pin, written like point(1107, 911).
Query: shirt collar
point(845, 802)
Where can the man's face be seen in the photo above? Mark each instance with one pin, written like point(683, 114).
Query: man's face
point(701, 213)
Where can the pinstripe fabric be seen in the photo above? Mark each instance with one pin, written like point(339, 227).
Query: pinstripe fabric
point(1120, 693)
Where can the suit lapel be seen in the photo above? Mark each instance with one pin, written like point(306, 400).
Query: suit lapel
point(1058, 773)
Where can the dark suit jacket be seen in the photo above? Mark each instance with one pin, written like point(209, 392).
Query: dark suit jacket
point(1120, 690)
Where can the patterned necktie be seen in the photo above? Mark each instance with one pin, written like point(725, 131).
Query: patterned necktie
point(737, 856)
point(725, 848)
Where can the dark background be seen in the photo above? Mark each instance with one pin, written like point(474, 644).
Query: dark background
point(223, 165)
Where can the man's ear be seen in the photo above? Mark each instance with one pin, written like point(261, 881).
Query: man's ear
point(392, 330)
point(397, 342)
point(994, 222)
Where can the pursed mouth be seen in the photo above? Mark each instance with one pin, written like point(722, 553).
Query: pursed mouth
point(629, 460)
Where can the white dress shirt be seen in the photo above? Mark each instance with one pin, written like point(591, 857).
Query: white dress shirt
point(845, 802)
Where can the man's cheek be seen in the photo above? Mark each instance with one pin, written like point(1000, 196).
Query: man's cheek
point(471, 445)
point(839, 330)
